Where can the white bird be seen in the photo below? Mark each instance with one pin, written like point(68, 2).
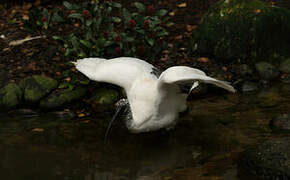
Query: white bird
point(154, 99)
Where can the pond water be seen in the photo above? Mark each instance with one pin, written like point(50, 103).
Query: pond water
point(204, 145)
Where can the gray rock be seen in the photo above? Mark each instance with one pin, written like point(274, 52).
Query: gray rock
point(61, 97)
point(285, 66)
point(266, 70)
point(10, 96)
point(249, 86)
point(36, 87)
point(267, 160)
point(286, 79)
point(281, 123)
point(23, 113)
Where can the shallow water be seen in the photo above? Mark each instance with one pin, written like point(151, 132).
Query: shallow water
point(205, 145)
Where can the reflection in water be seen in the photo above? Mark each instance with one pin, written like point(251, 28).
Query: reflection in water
point(205, 144)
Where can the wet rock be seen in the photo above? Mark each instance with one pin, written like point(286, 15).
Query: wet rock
point(36, 87)
point(285, 66)
point(249, 86)
point(269, 99)
point(10, 96)
point(62, 114)
point(104, 99)
point(245, 70)
point(234, 29)
point(286, 78)
point(61, 97)
point(266, 70)
point(24, 113)
point(267, 160)
point(281, 123)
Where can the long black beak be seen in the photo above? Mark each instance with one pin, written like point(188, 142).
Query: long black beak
point(118, 110)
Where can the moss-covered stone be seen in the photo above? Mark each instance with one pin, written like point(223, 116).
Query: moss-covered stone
point(246, 29)
point(266, 70)
point(10, 96)
point(59, 98)
point(285, 66)
point(36, 87)
point(104, 99)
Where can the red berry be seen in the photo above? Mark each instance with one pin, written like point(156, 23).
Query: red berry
point(87, 14)
point(132, 23)
point(44, 19)
point(117, 38)
point(140, 50)
point(105, 34)
point(118, 51)
point(150, 9)
point(146, 24)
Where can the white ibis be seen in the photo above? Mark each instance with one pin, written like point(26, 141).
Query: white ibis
point(154, 99)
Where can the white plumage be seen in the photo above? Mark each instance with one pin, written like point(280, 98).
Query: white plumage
point(155, 101)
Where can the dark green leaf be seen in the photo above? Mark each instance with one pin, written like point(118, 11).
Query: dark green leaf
point(76, 16)
point(127, 15)
point(89, 22)
point(57, 38)
point(45, 13)
point(162, 12)
point(70, 6)
point(128, 39)
point(86, 43)
point(67, 5)
point(56, 17)
point(150, 41)
point(140, 7)
point(116, 19)
point(117, 5)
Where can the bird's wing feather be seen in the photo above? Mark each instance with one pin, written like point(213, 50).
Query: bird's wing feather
point(121, 71)
point(183, 74)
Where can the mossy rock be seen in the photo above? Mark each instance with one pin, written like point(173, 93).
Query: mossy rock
point(61, 97)
point(244, 29)
point(104, 99)
point(285, 66)
point(37, 87)
point(266, 70)
point(10, 96)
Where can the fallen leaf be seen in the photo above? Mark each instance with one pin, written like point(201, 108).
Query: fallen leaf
point(190, 27)
point(37, 130)
point(68, 79)
point(25, 17)
point(257, 11)
point(182, 5)
point(86, 121)
point(203, 59)
point(179, 37)
point(81, 115)
point(172, 13)
point(5, 49)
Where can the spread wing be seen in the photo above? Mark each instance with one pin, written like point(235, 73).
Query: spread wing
point(121, 71)
point(184, 74)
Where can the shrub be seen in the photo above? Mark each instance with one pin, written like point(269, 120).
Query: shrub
point(106, 29)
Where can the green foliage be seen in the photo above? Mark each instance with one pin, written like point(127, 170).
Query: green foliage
point(245, 29)
point(105, 29)
point(41, 20)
